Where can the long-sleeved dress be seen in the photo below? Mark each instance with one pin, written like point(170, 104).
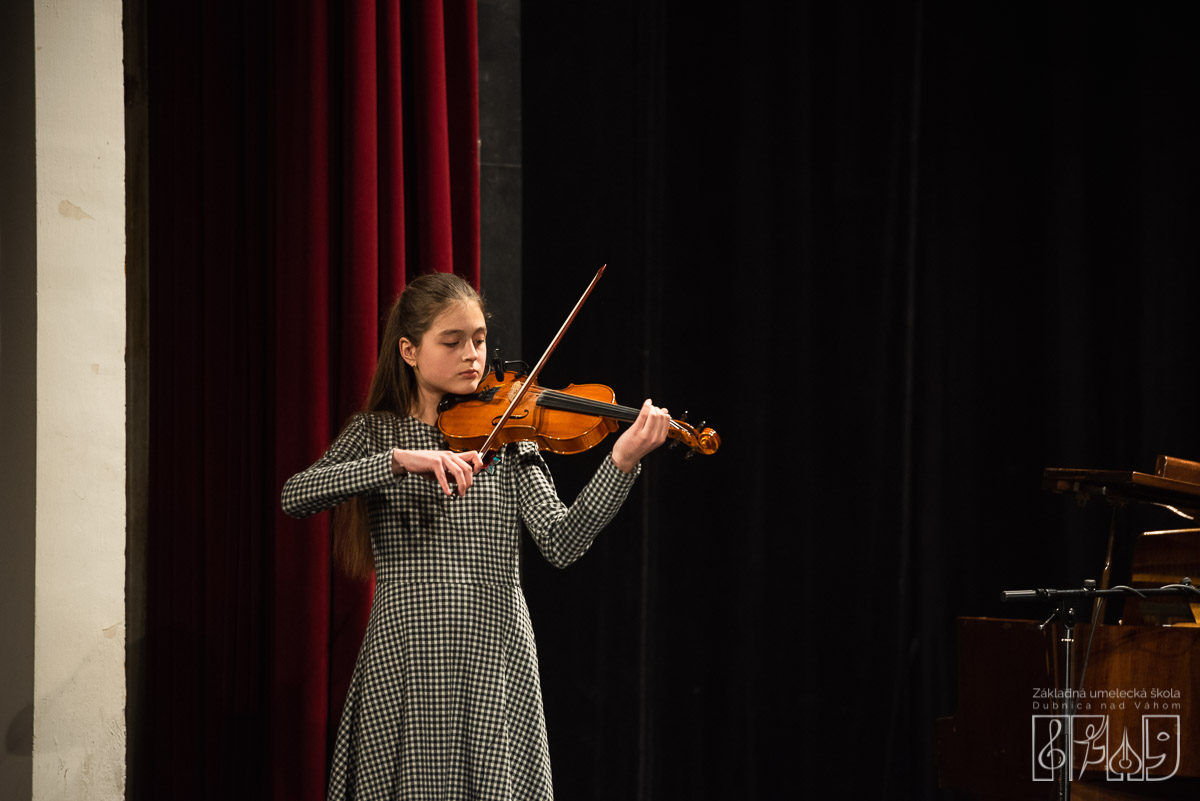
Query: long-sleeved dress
point(445, 700)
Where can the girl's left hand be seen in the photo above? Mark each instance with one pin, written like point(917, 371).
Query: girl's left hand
point(643, 435)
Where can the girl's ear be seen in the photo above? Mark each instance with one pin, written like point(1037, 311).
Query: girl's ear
point(408, 351)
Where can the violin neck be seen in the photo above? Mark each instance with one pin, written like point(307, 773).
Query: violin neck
point(705, 441)
point(553, 399)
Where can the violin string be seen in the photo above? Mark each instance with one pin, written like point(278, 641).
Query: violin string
point(571, 403)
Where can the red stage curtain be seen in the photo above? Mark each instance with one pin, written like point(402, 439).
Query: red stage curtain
point(306, 160)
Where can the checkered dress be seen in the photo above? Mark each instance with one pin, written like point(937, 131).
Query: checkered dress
point(445, 701)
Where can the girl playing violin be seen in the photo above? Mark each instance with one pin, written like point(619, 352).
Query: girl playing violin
point(445, 700)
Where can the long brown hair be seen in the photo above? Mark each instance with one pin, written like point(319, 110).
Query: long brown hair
point(394, 392)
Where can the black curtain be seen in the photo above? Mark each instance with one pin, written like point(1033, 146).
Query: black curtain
point(902, 256)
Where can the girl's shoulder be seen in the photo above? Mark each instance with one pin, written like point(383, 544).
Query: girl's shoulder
point(364, 423)
point(393, 430)
point(371, 428)
point(372, 419)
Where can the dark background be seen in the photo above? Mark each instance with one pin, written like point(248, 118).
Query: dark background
point(903, 257)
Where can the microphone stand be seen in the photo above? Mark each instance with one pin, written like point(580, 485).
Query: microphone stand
point(1065, 615)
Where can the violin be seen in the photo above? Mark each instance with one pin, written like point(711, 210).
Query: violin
point(566, 421)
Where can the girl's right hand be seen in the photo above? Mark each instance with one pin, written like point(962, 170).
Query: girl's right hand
point(445, 467)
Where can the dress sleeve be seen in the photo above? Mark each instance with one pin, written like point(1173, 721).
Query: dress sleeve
point(564, 533)
point(347, 469)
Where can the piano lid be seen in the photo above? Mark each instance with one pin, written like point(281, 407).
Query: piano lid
point(1175, 484)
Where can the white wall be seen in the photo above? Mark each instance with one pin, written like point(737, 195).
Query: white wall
point(79, 579)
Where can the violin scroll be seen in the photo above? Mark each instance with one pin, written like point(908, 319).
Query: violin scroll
point(703, 440)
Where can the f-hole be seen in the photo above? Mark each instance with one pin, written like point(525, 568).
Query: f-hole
point(515, 416)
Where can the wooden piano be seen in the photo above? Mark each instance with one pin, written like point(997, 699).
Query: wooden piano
point(1135, 728)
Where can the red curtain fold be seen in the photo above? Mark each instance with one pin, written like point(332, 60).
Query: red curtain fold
point(297, 184)
point(392, 208)
point(299, 656)
point(462, 120)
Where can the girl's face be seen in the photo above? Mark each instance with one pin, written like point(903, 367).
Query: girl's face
point(452, 354)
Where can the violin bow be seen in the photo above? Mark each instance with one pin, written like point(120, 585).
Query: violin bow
point(532, 379)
